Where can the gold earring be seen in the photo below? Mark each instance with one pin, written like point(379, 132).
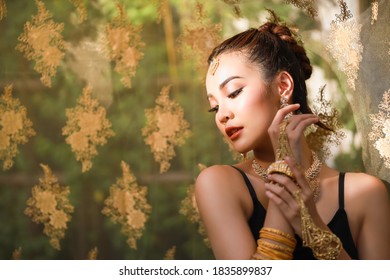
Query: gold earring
point(283, 102)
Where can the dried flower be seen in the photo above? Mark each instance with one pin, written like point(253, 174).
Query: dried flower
point(235, 4)
point(380, 132)
point(15, 127)
point(81, 10)
point(306, 5)
point(165, 128)
point(198, 39)
point(318, 138)
point(42, 41)
point(122, 43)
point(3, 9)
point(50, 206)
point(189, 209)
point(374, 11)
point(344, 43)
point(170, 254)
point(17, 254)
point(127, 205)
point(92, 255)
point(87, 127)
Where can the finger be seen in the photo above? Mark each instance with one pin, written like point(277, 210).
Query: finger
point(283, 199)
point(295, 129)
point(300, 122)
point(279, 194)
point(299, 174)
point(282, 113)
point(284, 181)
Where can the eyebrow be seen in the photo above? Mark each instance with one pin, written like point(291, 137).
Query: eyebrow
point(228, 80)
point(223, 84)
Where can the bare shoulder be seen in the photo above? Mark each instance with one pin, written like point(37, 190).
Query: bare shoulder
point(215, 172)
point(364, 189)
point(220, 183)
point(216, 176)
point(363, 184)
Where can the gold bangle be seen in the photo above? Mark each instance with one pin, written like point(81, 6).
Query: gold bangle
point(278, 236)
point(274, 244)
point(281, 167)
point(277, 231)
point(271, 251)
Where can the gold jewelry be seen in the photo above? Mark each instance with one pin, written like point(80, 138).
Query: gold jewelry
point(278, 236)
point(280, 167)
point(274, 244)
point(284, 103)
point(214, 66)
point(297, 193)
point(311, 175)
point(260, 171)
point(283, 150)
point(324, 244)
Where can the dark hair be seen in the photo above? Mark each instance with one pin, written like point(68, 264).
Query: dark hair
point(274, 48)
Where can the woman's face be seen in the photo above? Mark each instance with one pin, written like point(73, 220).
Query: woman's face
point(244, 105)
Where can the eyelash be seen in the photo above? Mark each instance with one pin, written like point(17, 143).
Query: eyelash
point(214, 109)
point(235, 93)
point(231, 95)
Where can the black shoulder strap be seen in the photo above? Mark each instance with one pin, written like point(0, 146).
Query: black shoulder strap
point(248, 183)
point(341, 190)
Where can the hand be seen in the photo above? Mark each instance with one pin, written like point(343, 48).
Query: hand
point(281, 190)
point(295, 133)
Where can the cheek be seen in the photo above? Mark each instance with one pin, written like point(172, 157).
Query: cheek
point(261, 115)
point(220, 126)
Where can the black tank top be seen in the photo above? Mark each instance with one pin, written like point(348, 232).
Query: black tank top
point(338, 225)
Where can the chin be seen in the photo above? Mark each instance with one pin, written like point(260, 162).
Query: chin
point(240, 149)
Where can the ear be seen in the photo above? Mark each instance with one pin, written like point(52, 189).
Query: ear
point(285, 85)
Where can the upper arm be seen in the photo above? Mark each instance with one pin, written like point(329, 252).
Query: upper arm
point(374, 237)
point(223, 214)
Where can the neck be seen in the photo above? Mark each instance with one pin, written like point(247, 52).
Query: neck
point(264, 158)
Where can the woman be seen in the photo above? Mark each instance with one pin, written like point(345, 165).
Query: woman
point(256, 88)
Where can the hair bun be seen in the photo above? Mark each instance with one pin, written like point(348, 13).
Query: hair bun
point(285, 34)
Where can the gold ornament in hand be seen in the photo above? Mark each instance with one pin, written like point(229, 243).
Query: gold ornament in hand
point(324, 244)
point(283, 150)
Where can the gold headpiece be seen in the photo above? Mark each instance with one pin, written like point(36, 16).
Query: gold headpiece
point(214, 65)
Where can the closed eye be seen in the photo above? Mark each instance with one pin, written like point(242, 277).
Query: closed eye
point(235, 93)
point(214, 109)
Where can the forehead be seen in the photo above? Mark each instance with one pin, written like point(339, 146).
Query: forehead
point(229, 64)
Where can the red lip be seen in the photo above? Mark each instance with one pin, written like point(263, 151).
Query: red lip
point(233, 132)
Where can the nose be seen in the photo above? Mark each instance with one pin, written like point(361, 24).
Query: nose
point(224, 114)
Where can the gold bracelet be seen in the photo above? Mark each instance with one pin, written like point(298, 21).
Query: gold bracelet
point(324, 244)
point(274, 244)
point(278, 236)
